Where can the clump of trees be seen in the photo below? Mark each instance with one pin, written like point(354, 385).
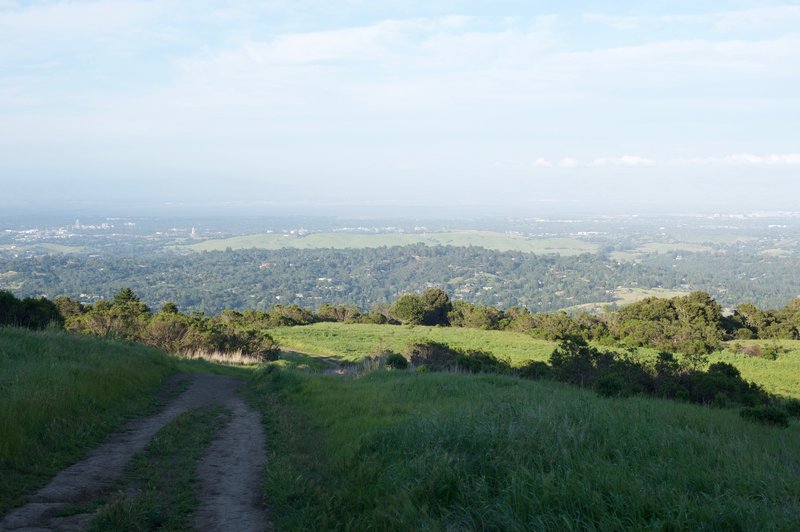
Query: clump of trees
point(168, 329)
point(30, 312)
point(613, 373)
point(431, 307)
point(616, 374)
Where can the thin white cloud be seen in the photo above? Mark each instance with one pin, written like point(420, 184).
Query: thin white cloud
point(752, 19)
point(742, 159)
point(625, 160)
point(636, 161)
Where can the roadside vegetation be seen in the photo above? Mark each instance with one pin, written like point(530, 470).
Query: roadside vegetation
point(406, 450)
point(61, 394)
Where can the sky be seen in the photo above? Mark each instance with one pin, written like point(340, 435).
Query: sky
point(511, 105)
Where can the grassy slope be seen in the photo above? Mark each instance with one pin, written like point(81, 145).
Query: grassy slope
point(489, 240)
point(61, 394)
point(781, 376)
point(399, 451)
point(355, 341)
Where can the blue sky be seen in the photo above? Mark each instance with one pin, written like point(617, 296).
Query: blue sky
point(504, 103)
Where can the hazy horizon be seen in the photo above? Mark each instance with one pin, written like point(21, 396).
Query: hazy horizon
point(146, 107)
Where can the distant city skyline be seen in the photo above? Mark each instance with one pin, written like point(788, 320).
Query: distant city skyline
point(316, 106)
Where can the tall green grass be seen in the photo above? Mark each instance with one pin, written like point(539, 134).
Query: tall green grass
point(61, 394)
point(399, 451)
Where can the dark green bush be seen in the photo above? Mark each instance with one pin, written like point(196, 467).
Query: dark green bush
point(725, 369)
point(610, 385)
point(767, 415)
point(792, 407)
point(534, 369)
point(476, 361)
point(435, 355)
point(396, 361)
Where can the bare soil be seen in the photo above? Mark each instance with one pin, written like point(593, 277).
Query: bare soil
point(229, 474)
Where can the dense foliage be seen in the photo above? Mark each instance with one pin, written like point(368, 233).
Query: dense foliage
point(693, 324)
point(257, 279)
point(168, 329)
point(31, 313)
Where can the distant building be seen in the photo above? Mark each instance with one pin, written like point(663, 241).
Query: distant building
point(194, 232)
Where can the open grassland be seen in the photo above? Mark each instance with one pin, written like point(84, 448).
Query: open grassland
point(626, 296)
point(328, 342)
point(486, 239)
point(780, 376)
point(49, 247)
point(61, 394)
point(352, 342)
point(409, 451)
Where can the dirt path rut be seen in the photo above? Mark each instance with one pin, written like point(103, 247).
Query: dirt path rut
point(229, 474)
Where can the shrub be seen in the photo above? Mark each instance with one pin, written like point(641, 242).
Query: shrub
point(534, 369)
point(476, 361)
point(772, 352)
point(610, 385)
point(396, 361)
point(792, 407)
point(435, 355)
point(725, 369)
point(767, 415)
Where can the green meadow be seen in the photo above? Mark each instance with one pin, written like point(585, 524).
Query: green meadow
point(399, 450)
point(341, 240)
point(353, 342)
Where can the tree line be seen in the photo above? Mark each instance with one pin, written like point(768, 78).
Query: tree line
point(691, 324)
point(258, 279)
point(127, 317)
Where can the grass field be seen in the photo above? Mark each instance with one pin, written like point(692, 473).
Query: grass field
point(409, 451)
point(353, 342)
point(44, 246)
point(781, 376)
point(61, 394)
point(486, 239)
point(626, 296)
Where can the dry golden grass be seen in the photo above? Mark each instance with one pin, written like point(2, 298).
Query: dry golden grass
point(232, 358)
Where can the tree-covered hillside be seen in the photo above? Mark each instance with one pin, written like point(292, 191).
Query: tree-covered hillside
point(258, 279)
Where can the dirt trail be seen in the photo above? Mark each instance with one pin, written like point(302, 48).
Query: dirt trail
point(230, 472)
